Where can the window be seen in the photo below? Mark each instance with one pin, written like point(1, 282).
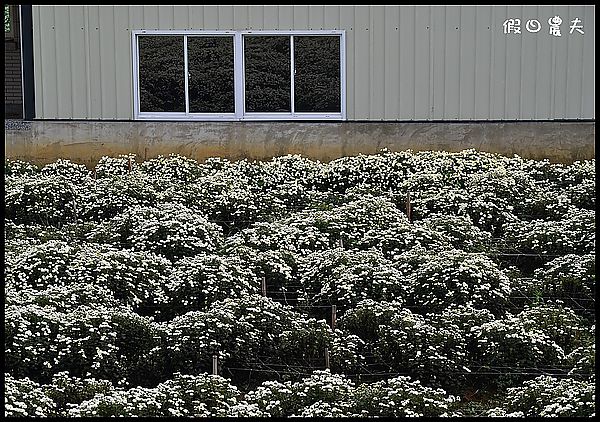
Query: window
point(239, 75)
point(9, 29)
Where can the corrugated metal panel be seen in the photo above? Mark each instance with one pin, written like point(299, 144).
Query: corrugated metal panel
point(527, 82)
point(123, 85)
point(392, 51)
point(438, 62)
point(588, 79)
point(363, 65)
point(93, 48)
point(467, 60)
point(483, 62)
point(452, 59)
point(79, 80)
point(377, 78)
point(403, 62)
point(63, 62)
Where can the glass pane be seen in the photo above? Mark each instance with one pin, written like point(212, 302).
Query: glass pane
point(267, 62)
point(161, 70)
point(210, 66)
point(7, 22)
point(317, 74)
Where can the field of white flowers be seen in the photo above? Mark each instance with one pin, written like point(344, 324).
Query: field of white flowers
point(395, 284)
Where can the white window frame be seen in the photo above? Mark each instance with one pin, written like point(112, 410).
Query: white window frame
point(239, 78)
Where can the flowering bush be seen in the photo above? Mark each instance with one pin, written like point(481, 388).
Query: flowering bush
point(231, 200)
point(489, 283)
point(113, 344)
point(116, 166)
point(408, 343)
point(67, 391)
point(460, 232)
point(171, 230)
point(173, 167)
point(286, 236)
point(436, 279)
point(48, 200)
point(582, 361)
point(546, 396)
point(135, 278)
point(184, 395)
point(326, 394)
point(25, 398)
point(347, 277)
point(351, 221)
point(403, 236)
point(105, 198)
point(539, 337)
point(17, 168)
point(66, 169)
point(575, 234)
point(199, 281)
point(278, 399)
point(571, 278)
point(402, 397)
point(64, 298)
point(254, 332)
point(40, 265)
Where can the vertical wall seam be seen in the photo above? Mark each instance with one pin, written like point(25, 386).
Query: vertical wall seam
point(459, 114)
point(116, 113)
point(582, 111)
point(520, 112)
point(535, 83)
point(431, 67)
point(56, 110)
point(552, 74)
point(70, 60)
point(491, 75)
point(413, 90)
point(475, 66)
point(505, 72)
point(87, 59)
point(566, 113)
point(100, 66)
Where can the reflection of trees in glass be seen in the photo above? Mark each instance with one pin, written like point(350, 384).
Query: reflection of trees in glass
point(210, 65)
point(317, 77)
point(7, 22)
point(161, 70)
point(268, 81)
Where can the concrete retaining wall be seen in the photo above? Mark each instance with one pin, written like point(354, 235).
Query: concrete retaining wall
point(87, 141)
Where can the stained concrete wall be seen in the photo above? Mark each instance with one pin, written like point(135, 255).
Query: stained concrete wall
point(86, 142)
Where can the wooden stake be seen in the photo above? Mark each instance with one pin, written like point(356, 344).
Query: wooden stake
point(333, 316)
point(129, 164)
point(327, 358)
point(264, 286)
point(214, 371)
point(408, 207)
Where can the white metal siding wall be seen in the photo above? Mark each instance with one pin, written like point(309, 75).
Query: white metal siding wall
point(403, 62)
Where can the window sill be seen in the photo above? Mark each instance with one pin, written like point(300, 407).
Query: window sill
point(248, 117)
